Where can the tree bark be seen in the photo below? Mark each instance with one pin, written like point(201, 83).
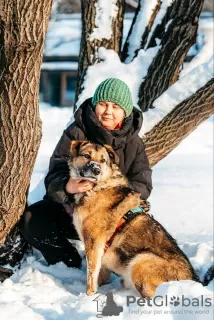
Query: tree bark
point(89, 47)
point(179, 123)
point(23, 25)
point(177, 33)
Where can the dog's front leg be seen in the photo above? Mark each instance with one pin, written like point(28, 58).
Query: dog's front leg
point(94, 253)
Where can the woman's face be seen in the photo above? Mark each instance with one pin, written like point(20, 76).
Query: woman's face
point(109, 114)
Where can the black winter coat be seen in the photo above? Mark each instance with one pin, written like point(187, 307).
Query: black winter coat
point(125, 142)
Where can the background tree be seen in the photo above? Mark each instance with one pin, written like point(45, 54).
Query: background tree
point(23, 25)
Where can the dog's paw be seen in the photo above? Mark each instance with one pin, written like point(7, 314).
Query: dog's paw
point(90, 291)
point(145, 205)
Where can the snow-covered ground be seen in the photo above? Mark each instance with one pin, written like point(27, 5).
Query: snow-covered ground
point(182, 200)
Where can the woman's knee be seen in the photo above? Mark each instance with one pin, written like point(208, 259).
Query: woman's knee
point(27, 215)
point(25, 225)
point(35, 219)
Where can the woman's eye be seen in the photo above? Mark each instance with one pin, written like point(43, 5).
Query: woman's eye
point(87, 156)
point(102, 160)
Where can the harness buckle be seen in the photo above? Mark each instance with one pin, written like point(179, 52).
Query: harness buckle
point(131, 213)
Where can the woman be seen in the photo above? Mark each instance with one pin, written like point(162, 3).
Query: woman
point(107, 118)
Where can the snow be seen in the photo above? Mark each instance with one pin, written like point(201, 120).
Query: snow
point(132, 3)
point(106, 11)
point(187, 172)
point(144, 15)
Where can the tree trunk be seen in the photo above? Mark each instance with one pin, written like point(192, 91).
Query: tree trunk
point(177, 33)
point(23, 25)
point(179, 123)
point(90, 42)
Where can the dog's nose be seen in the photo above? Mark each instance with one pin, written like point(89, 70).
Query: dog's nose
point(82, 173)
point(95, 168)
point(95, 171)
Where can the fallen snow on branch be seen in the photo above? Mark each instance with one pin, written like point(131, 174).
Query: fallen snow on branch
point(164, 6)
point(142, 21)
point(132, 3)
point(106, 11)
point(181, 90)
point(206, 53)
point(111, 67)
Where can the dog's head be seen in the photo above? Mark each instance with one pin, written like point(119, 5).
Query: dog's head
point(91, 161)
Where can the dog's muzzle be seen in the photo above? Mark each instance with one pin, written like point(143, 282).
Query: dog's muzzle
point(91, 169)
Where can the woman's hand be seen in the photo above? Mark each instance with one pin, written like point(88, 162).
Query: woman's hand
point(78, 185)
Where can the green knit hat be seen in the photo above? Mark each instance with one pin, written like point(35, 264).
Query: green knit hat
point(116, 91)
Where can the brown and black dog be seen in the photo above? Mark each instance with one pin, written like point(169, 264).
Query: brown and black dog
point(141, 251)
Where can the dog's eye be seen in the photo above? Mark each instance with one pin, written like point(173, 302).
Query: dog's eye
point(87, 156)
point(102, 160)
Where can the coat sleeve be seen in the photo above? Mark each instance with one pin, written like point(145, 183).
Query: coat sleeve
point(140, 174)
point(58, 173)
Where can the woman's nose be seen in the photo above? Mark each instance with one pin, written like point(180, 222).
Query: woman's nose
point(108, 110)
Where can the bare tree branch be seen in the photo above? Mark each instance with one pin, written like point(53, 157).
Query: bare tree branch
point(179, 123)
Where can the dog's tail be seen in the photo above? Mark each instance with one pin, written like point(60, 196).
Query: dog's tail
point(209, 276)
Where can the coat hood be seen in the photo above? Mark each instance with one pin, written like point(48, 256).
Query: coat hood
point(86, 119)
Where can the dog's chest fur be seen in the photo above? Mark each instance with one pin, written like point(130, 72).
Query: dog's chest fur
point(97, 213)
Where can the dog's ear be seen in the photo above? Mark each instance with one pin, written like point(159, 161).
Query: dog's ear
point(75, 146)
point(112, 155)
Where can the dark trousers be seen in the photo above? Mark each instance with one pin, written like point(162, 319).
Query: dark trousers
point(47, 226)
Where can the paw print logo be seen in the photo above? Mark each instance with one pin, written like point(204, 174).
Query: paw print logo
point(174, 301)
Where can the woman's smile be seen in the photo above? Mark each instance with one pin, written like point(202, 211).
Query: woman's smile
point(106, 118)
